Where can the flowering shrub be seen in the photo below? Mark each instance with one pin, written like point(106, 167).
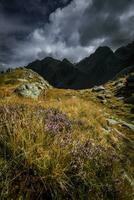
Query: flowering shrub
point(56, 121)
point(93, 153)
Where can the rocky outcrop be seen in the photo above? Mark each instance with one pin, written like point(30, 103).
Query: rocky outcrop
point(31, 84)
point(31, 90)
point(25, 82)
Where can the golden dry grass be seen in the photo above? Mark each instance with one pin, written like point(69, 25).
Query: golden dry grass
point(37, 164)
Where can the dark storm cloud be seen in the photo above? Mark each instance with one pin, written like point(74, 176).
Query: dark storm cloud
point(110, 20)
point(17, 20)
point(34, 29)
point(32, 11)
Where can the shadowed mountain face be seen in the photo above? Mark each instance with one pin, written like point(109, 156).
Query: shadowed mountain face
point(98, 68)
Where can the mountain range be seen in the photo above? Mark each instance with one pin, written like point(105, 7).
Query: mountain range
point(52, 140)
point(100, 67)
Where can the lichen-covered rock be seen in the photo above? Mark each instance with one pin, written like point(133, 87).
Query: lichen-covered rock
point(30, 90)
point(26, 82)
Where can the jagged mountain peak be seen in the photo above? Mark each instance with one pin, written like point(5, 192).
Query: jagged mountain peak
point(98, 68)
point(48, 59)
point(103, 49)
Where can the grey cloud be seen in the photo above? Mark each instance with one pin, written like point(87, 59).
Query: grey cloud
point(17, 21)
point(72, 30)
point(103, 21)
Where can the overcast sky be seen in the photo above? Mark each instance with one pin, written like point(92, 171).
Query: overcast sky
point(34, 29)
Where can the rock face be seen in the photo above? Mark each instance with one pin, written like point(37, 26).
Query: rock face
point(100, 66)
point(126, 54)
point(97, 69)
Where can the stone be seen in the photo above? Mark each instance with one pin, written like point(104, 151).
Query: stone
point(128, 125)
point(112, 122)
point(120, 98)
point(98, 88)
point(30, 90)
point(22, 80)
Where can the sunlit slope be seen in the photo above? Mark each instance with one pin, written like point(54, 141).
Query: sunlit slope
point(65, 144)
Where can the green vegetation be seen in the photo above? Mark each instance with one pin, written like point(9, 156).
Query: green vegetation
point(63, 145)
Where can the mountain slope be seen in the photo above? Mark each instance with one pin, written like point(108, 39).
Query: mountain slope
point(98, 68)
point(63, 139)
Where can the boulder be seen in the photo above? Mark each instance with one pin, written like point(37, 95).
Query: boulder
point(31, 90)
point(112, 122)
point(98, 88)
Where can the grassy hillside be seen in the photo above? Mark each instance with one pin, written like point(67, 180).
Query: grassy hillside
point(66, 144)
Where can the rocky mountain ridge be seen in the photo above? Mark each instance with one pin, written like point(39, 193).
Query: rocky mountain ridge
point(101, 66)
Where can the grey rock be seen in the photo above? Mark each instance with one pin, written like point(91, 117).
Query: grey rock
point(22, 80)
point(120, 98)
point(98, 88)
point(128, 125)
point(112, 122)
point(30, 90)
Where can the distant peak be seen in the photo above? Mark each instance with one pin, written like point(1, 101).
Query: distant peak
point(47, 59)
point(104, 49)
point(65, 60)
